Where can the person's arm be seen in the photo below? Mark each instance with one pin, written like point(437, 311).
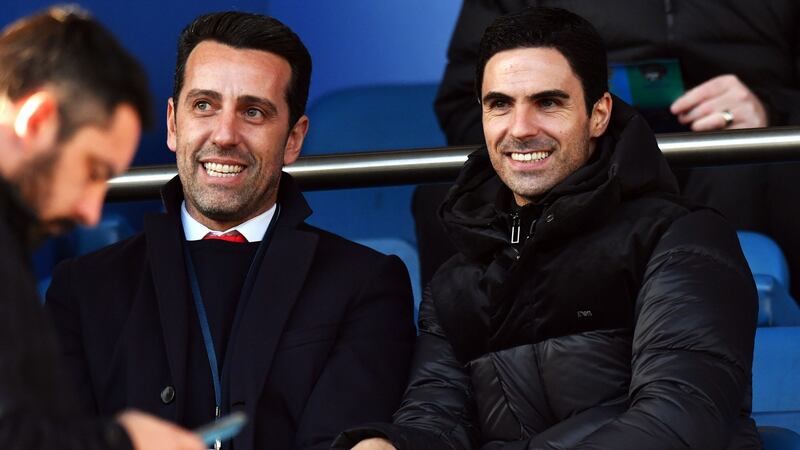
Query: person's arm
point(752, 105)
point(364, 377)
point(437, 409)
point(692, 350)
point(783, 104)
point(693, 342)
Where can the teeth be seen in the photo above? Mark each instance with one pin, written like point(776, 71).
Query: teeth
point(222, 170)
point(533, 156)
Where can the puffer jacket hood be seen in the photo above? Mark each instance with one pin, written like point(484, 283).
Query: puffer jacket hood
point(626, 163)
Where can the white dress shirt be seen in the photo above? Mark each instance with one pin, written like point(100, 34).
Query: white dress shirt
point(253, 230)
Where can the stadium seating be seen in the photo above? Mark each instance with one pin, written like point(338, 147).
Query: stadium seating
point(776, 377)
point(776, 359)
point(771, 274)
point(372, 118)
point(775, 438)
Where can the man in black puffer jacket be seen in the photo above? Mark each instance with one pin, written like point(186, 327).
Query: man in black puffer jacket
point(589, 305)
point(746, 52)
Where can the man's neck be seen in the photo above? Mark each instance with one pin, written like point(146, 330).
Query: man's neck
point(222, 225)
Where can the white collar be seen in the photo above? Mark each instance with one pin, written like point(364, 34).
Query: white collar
point(253, 230)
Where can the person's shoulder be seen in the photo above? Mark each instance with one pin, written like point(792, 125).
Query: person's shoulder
point(704, 232)
point(125, 252)
point(332, 245)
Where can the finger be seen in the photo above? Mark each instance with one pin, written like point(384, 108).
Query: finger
point(699, 94)
point(704, 109)
point(715, 121)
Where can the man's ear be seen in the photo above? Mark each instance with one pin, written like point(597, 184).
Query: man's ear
point(294, 142)
point(601, 115)
point(36, 123)
point(172, 141)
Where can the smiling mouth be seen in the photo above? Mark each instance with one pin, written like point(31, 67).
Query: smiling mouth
point(530, 157)
point(222, 170)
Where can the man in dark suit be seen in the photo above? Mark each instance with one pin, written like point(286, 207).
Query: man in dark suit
point(266, 315)
point(66, 126)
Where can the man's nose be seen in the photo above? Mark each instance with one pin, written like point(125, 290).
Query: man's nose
point(226, 132)
point(524, 122)
point(90, 208)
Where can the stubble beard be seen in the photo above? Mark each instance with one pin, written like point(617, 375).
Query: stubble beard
point(35, 185)
point(533, 186)
point(224, 204)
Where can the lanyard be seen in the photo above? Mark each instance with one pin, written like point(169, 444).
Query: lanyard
point(202, 317)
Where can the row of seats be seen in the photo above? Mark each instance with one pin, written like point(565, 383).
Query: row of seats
point(402, 117)
point(776, 360)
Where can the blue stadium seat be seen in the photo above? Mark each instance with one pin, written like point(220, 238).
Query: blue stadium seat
point(379, 117)
point(408, 254)
point(775, 438)
point(771, 274)
point(370, 118)
point(776, 377)
point(764, 256)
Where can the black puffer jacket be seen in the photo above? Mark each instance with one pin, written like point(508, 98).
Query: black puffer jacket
point(626, 321)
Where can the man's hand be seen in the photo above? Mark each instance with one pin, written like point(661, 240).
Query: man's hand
point(721, 102)
point(150, 433)
point(374, 444)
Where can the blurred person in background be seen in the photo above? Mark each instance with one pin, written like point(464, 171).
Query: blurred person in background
point(72, 105)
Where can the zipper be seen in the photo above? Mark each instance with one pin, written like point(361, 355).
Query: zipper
point(515, 228)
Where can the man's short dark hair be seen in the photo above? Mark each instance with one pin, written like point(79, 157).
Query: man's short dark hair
point(556, 28)
point(67, 50)
point(256, 32)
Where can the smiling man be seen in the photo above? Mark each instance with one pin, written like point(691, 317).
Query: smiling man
point(230, 301)
point(589, 305)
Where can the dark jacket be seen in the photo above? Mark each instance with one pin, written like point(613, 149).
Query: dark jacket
point(626, 320)
point(328, 321)
point(756, 40)
point(36, 411)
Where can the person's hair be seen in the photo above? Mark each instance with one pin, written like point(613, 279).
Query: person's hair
point(556, 28)
point(255, 32)
point(63, 48)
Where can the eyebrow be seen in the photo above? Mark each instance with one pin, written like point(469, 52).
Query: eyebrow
point(194, 93)
point(495, 96)
point(557, 93)
point(265, 104)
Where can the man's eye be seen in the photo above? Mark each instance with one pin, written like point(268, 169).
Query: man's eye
point(548, 103)
point(202, 106)
point(253, 113)
point(98, 173)
point(498, 104)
